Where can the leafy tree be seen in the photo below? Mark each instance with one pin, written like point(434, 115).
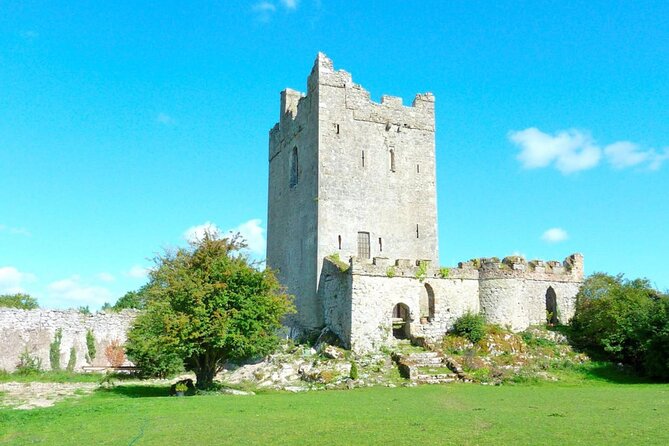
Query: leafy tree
point(133, 299)
point(18, 300)
point(208, 304)
point(623, 321)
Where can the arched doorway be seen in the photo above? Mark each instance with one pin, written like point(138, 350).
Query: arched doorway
point(551, 306)
point(401, 319)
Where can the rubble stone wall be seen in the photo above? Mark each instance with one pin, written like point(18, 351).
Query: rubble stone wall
point(34, 330)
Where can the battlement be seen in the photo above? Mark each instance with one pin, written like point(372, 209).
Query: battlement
point(570, 269)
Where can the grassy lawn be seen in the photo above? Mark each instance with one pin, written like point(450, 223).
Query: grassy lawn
point(593, 412)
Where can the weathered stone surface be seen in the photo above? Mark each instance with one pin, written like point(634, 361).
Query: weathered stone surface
point(34, 330)
point(352, 224)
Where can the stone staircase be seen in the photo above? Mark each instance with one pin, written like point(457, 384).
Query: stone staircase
point(428, 367)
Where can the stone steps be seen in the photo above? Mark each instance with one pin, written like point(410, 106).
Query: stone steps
point(428, 367)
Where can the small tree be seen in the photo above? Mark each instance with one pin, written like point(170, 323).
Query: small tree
point(18, 300)
point(115, 353)
point(208, 304)
point(54, 349)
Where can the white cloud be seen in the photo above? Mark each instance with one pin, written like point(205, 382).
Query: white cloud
point(254, 235)
point(15, 231)
point(30, 35)
point(106, 277)
point(74, 291)
point(12, 280)
point(555, 235)
point(196, 233)
point(570, 150)
point(138, 272)
point(290, 4)
point(165, 119)
point(573, 150)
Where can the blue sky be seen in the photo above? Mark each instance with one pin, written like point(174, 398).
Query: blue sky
point(123, 125)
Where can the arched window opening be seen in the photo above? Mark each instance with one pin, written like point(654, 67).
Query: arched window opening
point(551, 307)
point(294, 168)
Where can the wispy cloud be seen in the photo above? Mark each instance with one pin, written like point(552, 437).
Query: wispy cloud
point(290, 4)
point(265, 9)
point(74, 291)
point(165, 119)
point(30, 35)
point(555, 235)
point(15, 231)
point(251, 231)
point(196, 233)
point(106, 277)
point(137, 272)
point(625, 154)
point(12, 280)
point(254, 235)
point(575, 150)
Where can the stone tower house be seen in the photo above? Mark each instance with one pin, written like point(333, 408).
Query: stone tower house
point(352, 224)
point(350, 177)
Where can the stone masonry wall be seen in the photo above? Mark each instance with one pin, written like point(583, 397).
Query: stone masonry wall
point(35, 330)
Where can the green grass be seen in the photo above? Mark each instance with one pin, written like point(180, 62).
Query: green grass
point(594, 411)
point(62, 376)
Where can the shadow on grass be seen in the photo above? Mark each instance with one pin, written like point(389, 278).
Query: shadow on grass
point(609, 372)
point(138, 391)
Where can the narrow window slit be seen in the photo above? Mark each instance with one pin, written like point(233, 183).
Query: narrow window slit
point(339, 241)
point(417, 233)
point(380, 245)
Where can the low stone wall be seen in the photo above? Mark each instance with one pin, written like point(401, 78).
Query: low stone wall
point(34, 330)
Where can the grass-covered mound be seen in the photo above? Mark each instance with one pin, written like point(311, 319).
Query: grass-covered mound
point(501, 356)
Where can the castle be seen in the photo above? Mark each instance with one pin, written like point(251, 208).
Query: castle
point(352, 225)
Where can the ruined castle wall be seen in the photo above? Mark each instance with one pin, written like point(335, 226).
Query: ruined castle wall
point(334, 290)
point(514, 294)
point(375, 294)
point(360, 189)
point(34, 330)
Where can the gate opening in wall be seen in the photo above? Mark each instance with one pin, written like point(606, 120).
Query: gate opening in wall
point(400, 321)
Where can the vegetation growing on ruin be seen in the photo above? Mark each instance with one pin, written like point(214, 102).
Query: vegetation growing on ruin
point(421, 271)
point(391, 272)
point(339, 263)
point(444, 272)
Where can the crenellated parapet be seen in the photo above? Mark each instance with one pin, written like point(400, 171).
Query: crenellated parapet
point(512, 267)
point(569, 270)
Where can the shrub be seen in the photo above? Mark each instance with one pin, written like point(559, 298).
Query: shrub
point(354, 371)
point(115, 353)
point(470, 326)
point(444, 272)
point(623, 321)
point(54, 350)
point(28, 364)
point(19, 300)
point(390, 272)
point(72, 362)
point(90, 346)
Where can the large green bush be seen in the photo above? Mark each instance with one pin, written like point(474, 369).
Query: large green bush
point(208, 305)
point(623, 321)
point(470, 326)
